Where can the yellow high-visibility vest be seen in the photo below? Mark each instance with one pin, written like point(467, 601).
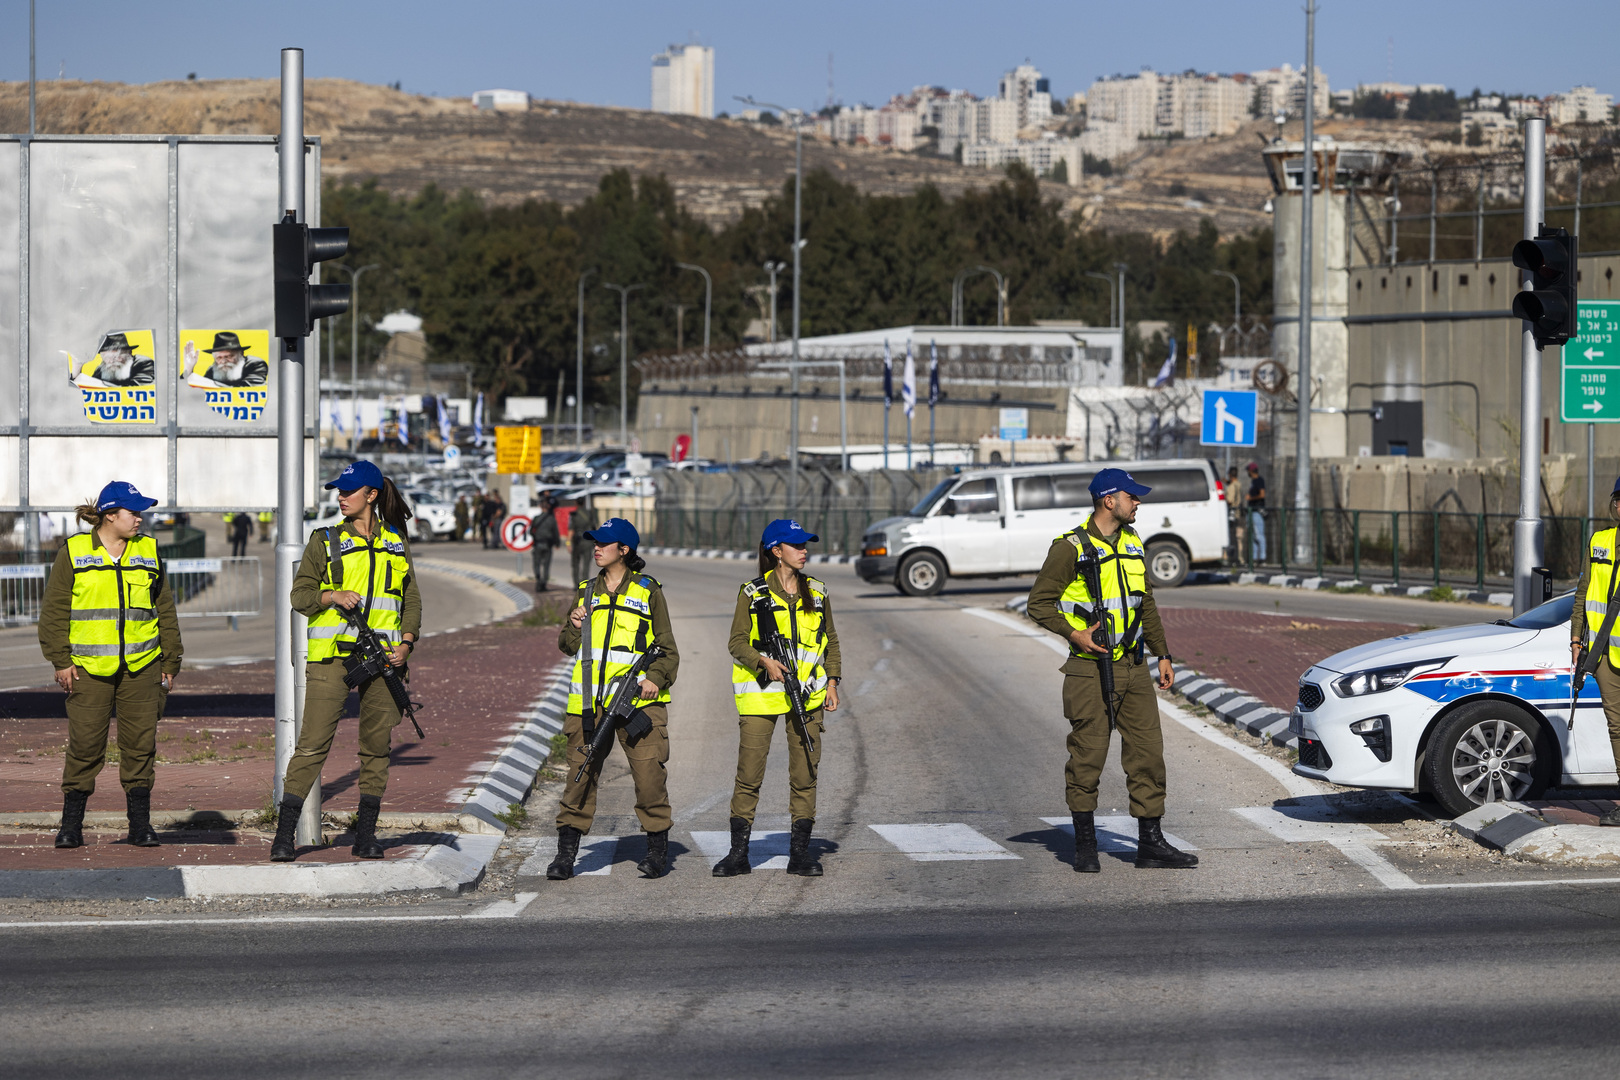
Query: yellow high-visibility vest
point(1123, 576)
point(374, 567)
point(1597, 589)
point(756, 694)
point(620, 631)
point(114, 622)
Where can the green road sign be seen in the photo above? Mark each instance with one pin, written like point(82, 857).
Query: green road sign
point(1592, 365)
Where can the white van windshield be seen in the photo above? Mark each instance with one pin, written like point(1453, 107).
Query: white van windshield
point(928, 500)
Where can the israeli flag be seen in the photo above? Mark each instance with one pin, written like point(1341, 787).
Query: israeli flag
point(337, 415)
point(908, 383)
point(1167, 373)
point(402, 425)
point(478, 421)
point(933, 374)
point(444, 421)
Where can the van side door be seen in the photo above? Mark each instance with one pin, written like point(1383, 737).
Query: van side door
point(971, 529)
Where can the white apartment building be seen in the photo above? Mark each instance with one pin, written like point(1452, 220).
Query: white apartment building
point(895, 125)
point(1494, 126)
point(995, 120)
point(1032, 93)
point(1040, 155)
point(1282, 90)
point(1582, 105)
point(954, 115)
point(1131, 101)
point(683, 81)
point(1107, 140)
point(1214, 105)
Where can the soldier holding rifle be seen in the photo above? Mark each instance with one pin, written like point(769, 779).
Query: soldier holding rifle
point(620, 614)
point(1093, 591)
point(1591, 631)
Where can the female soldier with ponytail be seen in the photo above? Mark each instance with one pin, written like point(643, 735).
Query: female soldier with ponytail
point(798, 605)
point(619, 614)
point(107, 624)
point(362, 565)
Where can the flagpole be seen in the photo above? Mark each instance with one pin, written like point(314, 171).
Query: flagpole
point(888, 395)
point(908, 442)
point(933, 399)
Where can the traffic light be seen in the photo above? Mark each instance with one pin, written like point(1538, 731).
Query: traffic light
point(298, 303)
point(1548, 305)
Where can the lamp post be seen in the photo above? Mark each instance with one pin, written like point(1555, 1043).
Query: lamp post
point(354, 349)
point(774, 268)
point(579, 366)
point(1120, 269)
point(798, 249)
point(1110, 280)
point(624, 292)
point(1237, 297)
point(708, 296)
point(1307, 308)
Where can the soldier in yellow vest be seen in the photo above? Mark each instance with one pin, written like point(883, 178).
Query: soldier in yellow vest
point(1593, 594)
point(1061, 602)
point(107, 625)
point(365, 565)
point(803, 616)
point(627, 614)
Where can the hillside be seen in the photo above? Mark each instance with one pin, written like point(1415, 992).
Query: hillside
point(559, 150)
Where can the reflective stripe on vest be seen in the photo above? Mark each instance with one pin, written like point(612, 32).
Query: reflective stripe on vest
point(376, 568)
point(113, 623)
point(1122, 574)
point(755, 693)
point(1600, 589)
point(620, 631)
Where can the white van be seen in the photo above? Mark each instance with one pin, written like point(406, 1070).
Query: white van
point(1001, 522)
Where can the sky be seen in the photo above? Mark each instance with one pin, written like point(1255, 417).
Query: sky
point(599, 52)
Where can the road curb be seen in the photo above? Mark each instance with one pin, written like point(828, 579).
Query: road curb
point(1233, 705)
point(523, 600)
point(1335, 584)
point(1515, 829)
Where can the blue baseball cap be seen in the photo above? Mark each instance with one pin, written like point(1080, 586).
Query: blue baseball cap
point(359, 474)
point(122, 493)
point(615, 531)
point(1109, 481)
point(785, 531)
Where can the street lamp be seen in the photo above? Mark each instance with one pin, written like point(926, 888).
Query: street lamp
point(1120, 268)
point(708, 296)
point(354, 349)
point(1237, 297)
point(1109, 279)
point(579, 365)
point(624, 292)
point(774, 268)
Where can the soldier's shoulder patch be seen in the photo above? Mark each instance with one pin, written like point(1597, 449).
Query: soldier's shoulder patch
point(1600, 553)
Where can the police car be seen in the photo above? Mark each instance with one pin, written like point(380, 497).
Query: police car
point(1468, 714)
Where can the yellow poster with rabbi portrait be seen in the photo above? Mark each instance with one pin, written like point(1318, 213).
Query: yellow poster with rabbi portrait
point(230, 368)
point(118, 385)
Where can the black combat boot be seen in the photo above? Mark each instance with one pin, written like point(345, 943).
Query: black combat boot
point(562, 867)
point(1153, 852)
point(736, 860)
point(365, 829)
point(1085, 843)
point(656, 864)
point(141, 833)
point(284, 848)
point(72, 831)
point(801, 860)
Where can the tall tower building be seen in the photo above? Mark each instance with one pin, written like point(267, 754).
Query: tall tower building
point(683, 81)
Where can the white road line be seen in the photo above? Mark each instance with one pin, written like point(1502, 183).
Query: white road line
point(1116, 833)
point(506, 909)
point(1022, 626)
point(881, 665)
point(950, 841)
point(766, 850)
point(1298, 787)
point(1306, 824)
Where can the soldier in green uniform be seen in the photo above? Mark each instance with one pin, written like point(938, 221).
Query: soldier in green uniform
point(1061, 601)
point(108, 627)
point(800, 609)
point(1593, 594)
point(627, 614)
point(580, 549)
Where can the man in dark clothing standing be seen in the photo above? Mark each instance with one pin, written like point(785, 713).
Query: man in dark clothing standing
point(1257, 511)
point(491, 515)
point(546, 536)
point(241, 529)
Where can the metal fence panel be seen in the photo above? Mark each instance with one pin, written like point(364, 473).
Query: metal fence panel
point(231, 586)
point(21, 588)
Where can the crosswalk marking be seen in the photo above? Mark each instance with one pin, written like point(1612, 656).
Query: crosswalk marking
point(766, 850)
point(1299, 821)
point(1116, 834)
point(596, 855)
point(949, 841)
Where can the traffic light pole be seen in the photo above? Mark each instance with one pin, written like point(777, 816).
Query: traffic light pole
point(291, 627)
point(1529, 536)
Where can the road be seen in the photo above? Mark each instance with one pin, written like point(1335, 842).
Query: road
point(1325, 934)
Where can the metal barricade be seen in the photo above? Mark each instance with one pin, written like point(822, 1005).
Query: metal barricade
point(21, 588)
point(225, 587)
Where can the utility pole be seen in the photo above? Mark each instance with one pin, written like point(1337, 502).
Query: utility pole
point(1120, 268)
point(1237, 297)
point(1307, 309)
point(624, 358)
point(1529, 535)
point(354, 348)
point(708, 300)
point(773, 268)
point(579, 365)
point(1109, 278)
point(33, 128)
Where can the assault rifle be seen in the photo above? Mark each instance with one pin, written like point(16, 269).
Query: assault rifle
point(370, 659)
point(773, 644)
point(1091, 574)
point(621, 708)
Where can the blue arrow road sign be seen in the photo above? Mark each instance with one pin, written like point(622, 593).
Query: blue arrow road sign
point(1230, 417)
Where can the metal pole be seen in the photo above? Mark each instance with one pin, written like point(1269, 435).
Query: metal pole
point(32, 127)
point(354, 348)
point(694, 434)
point(1479, 218)
point(1591, 481)
point(1307, 309)
point(291, 626)
point(708, 298)
point(1108, 278)
point(1394, 217)
point(1434, 195)
point(843, 421)
point(1528, 531)
point(771, 268)
point(624, 358)
point(798, 252)
point(579, 366)
point(1121, 268)
point(1237, 297)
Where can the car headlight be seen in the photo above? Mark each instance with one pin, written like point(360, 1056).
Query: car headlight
point(1377, 680)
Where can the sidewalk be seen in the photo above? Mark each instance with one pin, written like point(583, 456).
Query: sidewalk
point(491, 699)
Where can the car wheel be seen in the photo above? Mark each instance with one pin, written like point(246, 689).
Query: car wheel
point(1167, 565)
point(1488, 751)
point(922, 574)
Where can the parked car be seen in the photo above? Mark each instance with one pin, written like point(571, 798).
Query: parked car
point(999, 522)
point(595, 462)
point(1468, 714)
point(435, 518)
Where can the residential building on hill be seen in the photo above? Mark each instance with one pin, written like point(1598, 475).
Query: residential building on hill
point(683, 81)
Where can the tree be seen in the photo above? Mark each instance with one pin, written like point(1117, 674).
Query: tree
point(1373, 107)
point(1059, 172)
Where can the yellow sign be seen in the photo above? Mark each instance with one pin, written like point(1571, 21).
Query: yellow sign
point(1192, 348)
point(517, 449)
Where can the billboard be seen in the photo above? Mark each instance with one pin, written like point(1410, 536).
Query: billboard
point(136, 305)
